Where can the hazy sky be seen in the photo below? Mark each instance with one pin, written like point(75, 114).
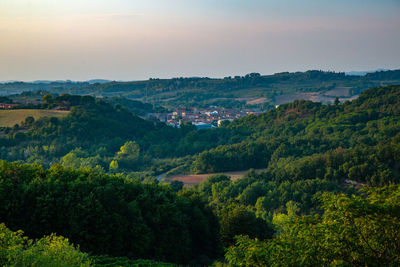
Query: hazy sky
point(138, 39)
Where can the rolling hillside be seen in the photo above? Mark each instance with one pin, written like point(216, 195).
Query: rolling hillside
point(263, 91)
point(9, 118)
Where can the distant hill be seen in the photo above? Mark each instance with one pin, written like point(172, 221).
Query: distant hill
point(363, 73)
point(84, 122)
point(251, 90)
point(240, 91)
point(303, 128)
point(98, 81)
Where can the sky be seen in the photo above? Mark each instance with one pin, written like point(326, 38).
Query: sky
point(141, 39)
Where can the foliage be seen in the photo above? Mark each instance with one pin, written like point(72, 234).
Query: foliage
point(355, 141)
point(52, 250)
point(107, 214)
point(300, 208)
point(342, 140)
point(357, 230)
point(202, 92)
point(237, 220)
point(105, 261)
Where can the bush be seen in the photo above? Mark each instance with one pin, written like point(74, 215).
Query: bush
point(17, 250)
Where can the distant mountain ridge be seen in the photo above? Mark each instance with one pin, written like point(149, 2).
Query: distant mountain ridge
point(252, 90)
point(363, 73)
point(101, 81)
point(58, 81)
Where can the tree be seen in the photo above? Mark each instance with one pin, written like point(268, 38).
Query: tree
point(17, 250)
point(48, 99)
point(128, 155)
point(29, 120)
point(237, 220)
point(356, 230)
point(107, 214)
point(114, 165)
point(176, 185)
point(129, 150)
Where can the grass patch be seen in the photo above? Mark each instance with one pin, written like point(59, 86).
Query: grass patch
point(15, 116)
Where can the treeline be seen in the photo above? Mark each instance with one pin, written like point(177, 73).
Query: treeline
point(106, 214)
point(231, 84)
point(203, 91)
point(6, 100)
point(189, 92)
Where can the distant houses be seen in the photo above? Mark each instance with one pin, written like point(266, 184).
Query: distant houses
point(7, 106)
point(202, 118)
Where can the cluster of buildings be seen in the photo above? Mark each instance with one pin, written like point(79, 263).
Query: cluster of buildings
point(202, 118)
point(7, 106)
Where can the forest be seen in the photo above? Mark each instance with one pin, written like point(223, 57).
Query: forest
point(81, 190)
point(229, 92)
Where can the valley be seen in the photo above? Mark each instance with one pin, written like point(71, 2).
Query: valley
point(199, 133)
point(112, 175)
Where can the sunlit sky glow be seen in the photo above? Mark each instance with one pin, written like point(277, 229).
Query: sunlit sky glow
point(138, 39)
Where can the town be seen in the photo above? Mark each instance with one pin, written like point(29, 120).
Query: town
point(202, 118)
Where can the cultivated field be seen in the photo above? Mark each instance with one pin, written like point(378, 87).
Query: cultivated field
point(193, 179)
point(324, 97)
point(16, 116)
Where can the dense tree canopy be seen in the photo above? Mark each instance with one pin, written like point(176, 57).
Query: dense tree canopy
point(357, 141)
point(107, 214)
point(18, 250)
point(358, 230)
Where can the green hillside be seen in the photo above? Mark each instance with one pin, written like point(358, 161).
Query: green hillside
point(328, 192)
point(9, 118)
point(251, 90)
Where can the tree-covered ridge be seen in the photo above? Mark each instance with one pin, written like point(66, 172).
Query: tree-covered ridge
point(227, 92)
point(107, 214)
point(304, 206)
point(198, 90)
point(93, 126)
point(94, 133)
point(356, 140)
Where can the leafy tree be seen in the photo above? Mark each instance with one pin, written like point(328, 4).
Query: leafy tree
point(353, 231)
point(29, 120)
point(107, 214)
point(237, 220)
point(176, 185)
point(48, 99)
point(129, 150)
point(114, 165)
point(17, 250)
